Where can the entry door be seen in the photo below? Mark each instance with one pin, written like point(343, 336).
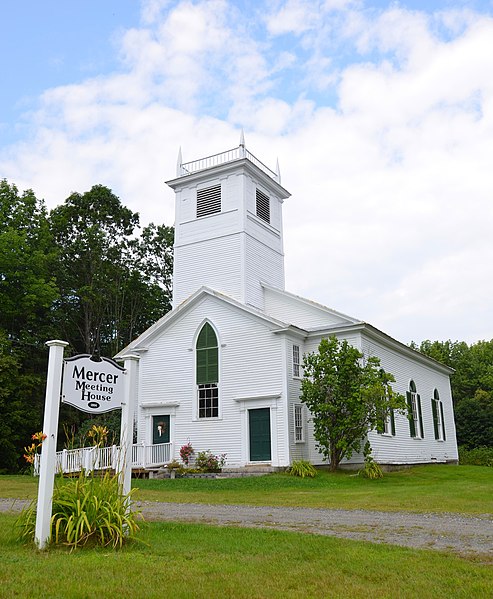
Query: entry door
point(160, 429)
point(259, 426)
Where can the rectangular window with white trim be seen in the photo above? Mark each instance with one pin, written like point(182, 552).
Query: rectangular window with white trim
point(299, 425)
point(296, 362)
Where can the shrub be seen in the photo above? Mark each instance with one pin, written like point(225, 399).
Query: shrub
point(186, 453)
point(208, 462)
point(87, 510)
point(303, 469)
point(479, 456)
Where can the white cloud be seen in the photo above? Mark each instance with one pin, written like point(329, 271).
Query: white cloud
point(390, 217)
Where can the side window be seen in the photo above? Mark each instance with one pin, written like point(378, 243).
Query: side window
point(296, 361)
point(299, 427)
point(207, 373)
point(438, 420)
point(414, 412)
point(386, 420)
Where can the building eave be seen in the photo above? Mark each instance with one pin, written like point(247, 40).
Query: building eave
point(228, 167)
point(377, 335)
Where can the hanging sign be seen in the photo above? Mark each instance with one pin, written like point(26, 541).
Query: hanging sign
point(93, 386)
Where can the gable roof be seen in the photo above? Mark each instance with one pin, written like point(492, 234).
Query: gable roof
point(142, 342)
point(337, 323)
point(300, 311)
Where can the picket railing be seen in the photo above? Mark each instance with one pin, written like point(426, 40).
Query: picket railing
point(106, 458)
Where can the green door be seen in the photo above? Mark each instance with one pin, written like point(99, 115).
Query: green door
point(259, 426)
point(160, 429)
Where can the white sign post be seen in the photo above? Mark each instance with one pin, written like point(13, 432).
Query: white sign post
point(127, 425)
point(93, 386)
point(48, 447)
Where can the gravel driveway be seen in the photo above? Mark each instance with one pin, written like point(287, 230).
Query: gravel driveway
point(452, 532)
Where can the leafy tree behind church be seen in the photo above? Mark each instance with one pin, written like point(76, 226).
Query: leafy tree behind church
point(84, 273)
point(347, 395)
point(472, 387)
point(113, 285)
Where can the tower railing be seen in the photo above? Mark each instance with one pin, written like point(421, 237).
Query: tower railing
point(189, 168)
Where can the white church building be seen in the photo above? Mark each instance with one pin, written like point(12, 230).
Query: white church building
point(222, 370)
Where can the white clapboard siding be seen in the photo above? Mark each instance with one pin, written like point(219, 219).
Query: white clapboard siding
point(218, 267)
point(250, 360)
point(403, 448)
point(263, 263)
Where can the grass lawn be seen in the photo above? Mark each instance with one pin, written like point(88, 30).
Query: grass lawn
point(463, 489)
point(195, 561)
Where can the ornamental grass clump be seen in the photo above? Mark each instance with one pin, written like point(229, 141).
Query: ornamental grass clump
point(86, 511)
point(303, 469)
point(371, 469)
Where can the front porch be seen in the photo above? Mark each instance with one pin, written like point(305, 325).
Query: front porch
point(144, 458)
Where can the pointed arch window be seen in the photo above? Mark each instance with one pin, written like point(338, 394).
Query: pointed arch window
point(207, 373)
point(414, 412)
point(438, 420)
point(386, 419)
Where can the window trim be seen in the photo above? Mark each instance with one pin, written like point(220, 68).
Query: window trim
point(295, 361)
point(210, 364)
point(438, 419)
point(386, 424)
point(214, 407)
point(299, 423)
point(415, 415)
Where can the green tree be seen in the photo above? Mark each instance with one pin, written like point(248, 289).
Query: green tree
point(27, 293)
point(347, 396)
point(92, 232)
point(472, 387)
point(113, 284)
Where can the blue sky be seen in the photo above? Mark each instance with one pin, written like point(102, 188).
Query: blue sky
point(380, 113)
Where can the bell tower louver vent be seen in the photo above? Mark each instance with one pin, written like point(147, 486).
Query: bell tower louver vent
point(263, 206)
point(208, 201)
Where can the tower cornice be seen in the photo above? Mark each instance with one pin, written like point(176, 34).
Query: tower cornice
point(225, 168)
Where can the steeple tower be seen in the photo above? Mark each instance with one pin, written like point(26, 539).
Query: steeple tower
point(228, 226)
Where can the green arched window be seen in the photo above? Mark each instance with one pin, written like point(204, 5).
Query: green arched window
point(416, 429)
point(207, 372)
point(438, 421)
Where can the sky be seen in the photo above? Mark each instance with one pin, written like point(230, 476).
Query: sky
point(380, 114)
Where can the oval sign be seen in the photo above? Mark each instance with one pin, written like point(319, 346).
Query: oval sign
point(92, 386)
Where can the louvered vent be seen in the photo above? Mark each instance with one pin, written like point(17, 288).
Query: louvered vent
point(263, 206)
point(208, 200)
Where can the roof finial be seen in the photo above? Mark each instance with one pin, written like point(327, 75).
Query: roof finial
point(278, 172)
point(179, 162)
point(242, 139)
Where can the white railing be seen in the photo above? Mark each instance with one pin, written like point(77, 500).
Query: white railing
point(106, 458)
point(188, 168)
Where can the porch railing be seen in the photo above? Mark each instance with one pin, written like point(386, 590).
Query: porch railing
point(106, 458)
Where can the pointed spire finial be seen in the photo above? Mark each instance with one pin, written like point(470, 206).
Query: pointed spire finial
point(179, 162)
point(242, 138)
point(278, 172)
